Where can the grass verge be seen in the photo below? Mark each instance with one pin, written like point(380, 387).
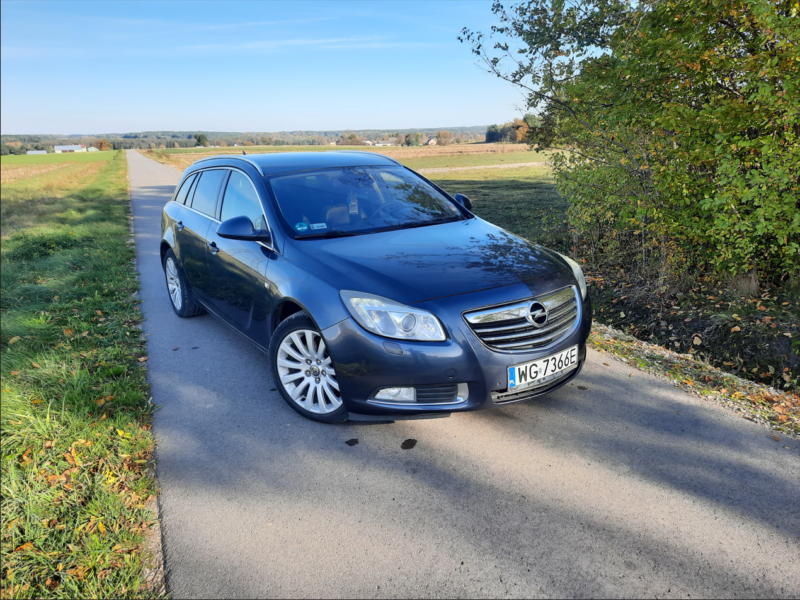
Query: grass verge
point(76, 442)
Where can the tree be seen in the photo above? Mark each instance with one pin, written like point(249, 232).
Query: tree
point(202, 139)
point(682, 118)
point(399, 139)
point(350, 139)
point(444, 138)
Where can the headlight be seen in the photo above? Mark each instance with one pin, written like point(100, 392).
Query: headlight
point(576, 270)
point(391, 319)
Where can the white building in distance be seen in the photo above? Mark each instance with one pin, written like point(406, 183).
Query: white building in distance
point(70, 148)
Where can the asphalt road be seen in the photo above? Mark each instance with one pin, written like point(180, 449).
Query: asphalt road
point(612, 486)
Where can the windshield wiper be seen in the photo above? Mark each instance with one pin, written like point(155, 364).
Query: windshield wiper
point(413, 225)
point(333, 233)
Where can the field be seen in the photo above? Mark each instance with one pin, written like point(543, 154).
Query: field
point(75, 415)
point(453, 156)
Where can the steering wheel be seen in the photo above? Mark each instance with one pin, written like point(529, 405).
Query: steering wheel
point(380, 208)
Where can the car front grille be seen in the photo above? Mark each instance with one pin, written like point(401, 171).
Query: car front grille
point(437, 394)
point(506, 327)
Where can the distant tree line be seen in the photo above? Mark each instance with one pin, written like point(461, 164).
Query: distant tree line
point(19, 144)
point(530, 129)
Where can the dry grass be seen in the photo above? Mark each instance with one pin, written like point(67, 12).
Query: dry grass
point(182, 160)
point(11, 173)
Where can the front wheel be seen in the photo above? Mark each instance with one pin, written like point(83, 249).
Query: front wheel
point(304, 371)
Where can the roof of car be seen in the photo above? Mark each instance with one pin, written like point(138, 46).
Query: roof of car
point(286, 162)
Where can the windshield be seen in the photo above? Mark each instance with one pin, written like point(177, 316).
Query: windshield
point(356, 200)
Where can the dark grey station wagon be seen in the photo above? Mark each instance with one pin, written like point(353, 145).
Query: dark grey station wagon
point(374, 293)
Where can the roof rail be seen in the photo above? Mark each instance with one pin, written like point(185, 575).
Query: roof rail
point(237, 157)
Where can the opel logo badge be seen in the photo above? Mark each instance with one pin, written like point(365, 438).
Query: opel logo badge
point(537, 314)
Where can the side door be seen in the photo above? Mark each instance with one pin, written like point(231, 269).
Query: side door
point(238, 268)
point(196, 220)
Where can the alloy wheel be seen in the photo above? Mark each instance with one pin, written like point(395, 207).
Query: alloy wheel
point(306, 372)
point(174, 283)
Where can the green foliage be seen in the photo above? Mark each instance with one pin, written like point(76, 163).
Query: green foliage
point(681, 118)
point(202, 139)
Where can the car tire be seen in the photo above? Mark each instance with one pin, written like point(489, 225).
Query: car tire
point(180, 295)
point(303, 370)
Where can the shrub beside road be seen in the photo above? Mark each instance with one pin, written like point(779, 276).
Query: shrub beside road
point(76, 440)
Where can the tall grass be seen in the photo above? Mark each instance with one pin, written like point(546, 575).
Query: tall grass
point(75, 416)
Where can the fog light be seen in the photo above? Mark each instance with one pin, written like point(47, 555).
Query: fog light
point(397, 394)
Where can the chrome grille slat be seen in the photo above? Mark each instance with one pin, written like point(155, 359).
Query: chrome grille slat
point(517, 333)
point(529, 332)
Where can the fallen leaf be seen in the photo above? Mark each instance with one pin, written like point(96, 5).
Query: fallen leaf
point(697, 341)
point(35, 365)
point(622, 314)
point(143, 359)
point(785, 304)
point(14, 373)
point(68, 332)
point(14, 340)
point(687, 320)
point(735, 329)
point(84, 334)
point(606, 364)
point(762, 307)
point(29, 545)
point(99, 312)
point(775, 437)
point(788, 334)
point(175, 348)
point(100, 525)
point(100, 402)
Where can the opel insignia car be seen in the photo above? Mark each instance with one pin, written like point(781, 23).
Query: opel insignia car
point(375, 294)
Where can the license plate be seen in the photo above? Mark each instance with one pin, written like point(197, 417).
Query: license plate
point(539, 371)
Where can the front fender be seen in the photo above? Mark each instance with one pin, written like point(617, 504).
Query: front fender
point(319, 298)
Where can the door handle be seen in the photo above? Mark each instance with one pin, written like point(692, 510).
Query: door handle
point(180, 225)
point(213, 247)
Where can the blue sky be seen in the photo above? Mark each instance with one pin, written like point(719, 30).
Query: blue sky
point(102, 67)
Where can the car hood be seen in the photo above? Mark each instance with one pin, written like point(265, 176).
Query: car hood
point(423, 263)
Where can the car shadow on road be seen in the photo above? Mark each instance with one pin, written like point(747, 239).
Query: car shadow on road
point(493, 482)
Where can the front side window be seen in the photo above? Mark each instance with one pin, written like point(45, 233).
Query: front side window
point(205, 195)
point(359, 200)
point(180, 197)
point(241, 200)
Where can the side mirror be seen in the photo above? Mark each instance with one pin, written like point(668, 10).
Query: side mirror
point(241, 228)
point(463, 201)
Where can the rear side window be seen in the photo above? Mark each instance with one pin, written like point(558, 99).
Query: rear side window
point(180, 197)
point(241, 200)
point(205, 196)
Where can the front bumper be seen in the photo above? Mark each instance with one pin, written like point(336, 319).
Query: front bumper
point(364, 364)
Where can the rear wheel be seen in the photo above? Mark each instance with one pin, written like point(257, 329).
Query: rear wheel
point(304, 372)
point(180, 296)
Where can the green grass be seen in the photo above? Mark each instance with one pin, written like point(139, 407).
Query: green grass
point(76, 439)
point(47, 159)
point(522, 200)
